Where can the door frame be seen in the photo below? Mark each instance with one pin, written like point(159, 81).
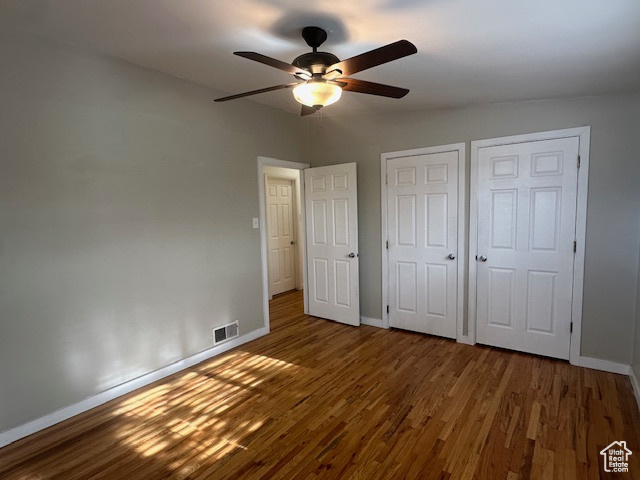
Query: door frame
point(584, 134)
point(262, 219)
point(460, 148)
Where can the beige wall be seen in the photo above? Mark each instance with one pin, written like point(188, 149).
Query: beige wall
point(613, 235)
point(126, 199)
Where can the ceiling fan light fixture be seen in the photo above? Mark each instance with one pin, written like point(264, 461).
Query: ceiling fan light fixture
point(317, 94)
point(324, 76)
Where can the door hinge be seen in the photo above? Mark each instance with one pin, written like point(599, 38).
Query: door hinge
point(578, 161)
point(387, 308)
point(387, 244)
point(575, 246)
point(571, 327)
point(386, 179)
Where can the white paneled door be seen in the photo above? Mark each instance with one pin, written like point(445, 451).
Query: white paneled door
point(526, 232)
point(422, 220)
point(332, 242)
point(280, 235)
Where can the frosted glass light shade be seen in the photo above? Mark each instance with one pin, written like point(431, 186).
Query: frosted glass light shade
point(317, 93)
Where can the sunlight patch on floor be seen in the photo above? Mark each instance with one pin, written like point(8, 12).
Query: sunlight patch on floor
point(195, 410)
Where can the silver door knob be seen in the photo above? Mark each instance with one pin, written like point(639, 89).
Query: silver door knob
point(482, 258)
point(451, 256)
point(352, 255)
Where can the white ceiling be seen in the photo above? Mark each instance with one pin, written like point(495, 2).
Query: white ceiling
point(469, 51)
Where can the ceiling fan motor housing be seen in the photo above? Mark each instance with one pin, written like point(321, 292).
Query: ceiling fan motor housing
point(315, 62)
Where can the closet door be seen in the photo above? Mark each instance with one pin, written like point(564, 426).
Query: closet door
point(422, 220)
point(526, 232)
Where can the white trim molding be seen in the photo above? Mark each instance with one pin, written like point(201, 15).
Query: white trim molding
point(635, 384)
point(29, 428)
point(584, 135)
point(603, 365)
point(372, 322)
point(462, 215)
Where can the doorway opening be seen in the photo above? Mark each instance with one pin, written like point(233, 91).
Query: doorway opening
point(282, 235)
point(328, 211)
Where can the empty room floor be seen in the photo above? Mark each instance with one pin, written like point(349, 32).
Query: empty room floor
point(317, 399)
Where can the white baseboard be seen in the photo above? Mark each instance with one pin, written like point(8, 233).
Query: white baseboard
point(14, 434)
point(635, 384)
point(604, 365)
point(372, 322)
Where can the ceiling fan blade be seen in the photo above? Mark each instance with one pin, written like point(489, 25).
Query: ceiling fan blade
point(272, 62)
point(307, 111)
point(254, 92)
point(381, 55)
point(362, 86)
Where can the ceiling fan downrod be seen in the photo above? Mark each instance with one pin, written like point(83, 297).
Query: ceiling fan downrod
point(314, 36)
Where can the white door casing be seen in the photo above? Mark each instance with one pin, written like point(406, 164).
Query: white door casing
point(281, 235)
point(422, 216)
point(526, 227)
point(332, 242)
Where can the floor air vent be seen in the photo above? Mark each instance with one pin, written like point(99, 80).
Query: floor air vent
point(225, 332)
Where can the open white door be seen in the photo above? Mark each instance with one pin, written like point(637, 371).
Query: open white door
point(332, 242)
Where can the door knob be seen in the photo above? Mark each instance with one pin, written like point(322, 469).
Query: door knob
point(451, 256)
point(292, 242)
point(352, 255)
point(482, 258)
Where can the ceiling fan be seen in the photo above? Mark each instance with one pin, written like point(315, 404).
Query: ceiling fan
point(322, 77)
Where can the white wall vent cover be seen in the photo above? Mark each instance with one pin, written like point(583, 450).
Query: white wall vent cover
point(225, 332)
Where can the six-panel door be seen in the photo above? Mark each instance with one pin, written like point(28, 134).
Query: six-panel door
point(422, 219)
point(526, 232)
point(280, 234)
point(332, 242)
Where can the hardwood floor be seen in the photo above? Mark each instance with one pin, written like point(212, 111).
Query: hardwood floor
point(316, 399)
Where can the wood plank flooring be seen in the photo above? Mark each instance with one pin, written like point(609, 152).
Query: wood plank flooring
point(316, 399)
